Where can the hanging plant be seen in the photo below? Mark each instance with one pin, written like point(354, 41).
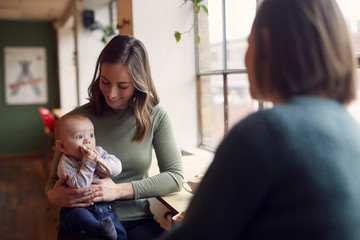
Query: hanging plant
point(197, 7)
point(108, 31)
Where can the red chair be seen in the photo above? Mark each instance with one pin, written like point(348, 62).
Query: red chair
point(49, 122)
point(48, 119)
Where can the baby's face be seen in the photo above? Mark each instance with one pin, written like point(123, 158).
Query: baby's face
point(75, 133)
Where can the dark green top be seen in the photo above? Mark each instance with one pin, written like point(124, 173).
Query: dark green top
point(113, 131)
point(290, 172)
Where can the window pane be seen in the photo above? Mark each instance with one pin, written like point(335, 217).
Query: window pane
point(212, 110)
point(239, 99)
point(239, 17)
point(350, 9)
point(210, 32)
point(354, 107)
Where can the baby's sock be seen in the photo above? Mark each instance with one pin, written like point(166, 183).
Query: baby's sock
point(108, 229)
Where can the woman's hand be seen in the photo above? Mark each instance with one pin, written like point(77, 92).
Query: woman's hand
point(64, 196)
point(109, 191)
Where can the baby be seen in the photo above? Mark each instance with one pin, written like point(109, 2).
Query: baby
point(74, 136)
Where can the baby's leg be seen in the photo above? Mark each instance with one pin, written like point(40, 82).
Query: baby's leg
point(121, 233)
point(108, 229)
point(81, 219)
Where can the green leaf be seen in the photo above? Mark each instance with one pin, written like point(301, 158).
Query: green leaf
point(103, 39)
point(197, 9)
point(177, 36)
point(205, 9)
point(198, 39)
point(93, 26)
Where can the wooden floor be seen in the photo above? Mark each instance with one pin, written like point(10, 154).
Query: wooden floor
point(25, 212)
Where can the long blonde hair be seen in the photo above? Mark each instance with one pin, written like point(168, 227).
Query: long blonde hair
point(131, 52)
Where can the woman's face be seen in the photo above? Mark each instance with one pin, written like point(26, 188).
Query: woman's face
point(250, 65)
point(252, 68)
point(116, 85)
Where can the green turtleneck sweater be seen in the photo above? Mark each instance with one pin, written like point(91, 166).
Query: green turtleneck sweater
point(113, 132)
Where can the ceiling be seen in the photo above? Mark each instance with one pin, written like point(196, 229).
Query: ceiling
point(32, 10)
point(39, 10)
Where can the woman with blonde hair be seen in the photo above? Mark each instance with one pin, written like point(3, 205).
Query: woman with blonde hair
point(292, 171)
point(129, 123)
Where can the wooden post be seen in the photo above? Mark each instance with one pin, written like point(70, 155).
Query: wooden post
point(125, 21)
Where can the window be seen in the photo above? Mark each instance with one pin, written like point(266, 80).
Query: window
point(224, 96)
point(223, 85)
point(352, 18)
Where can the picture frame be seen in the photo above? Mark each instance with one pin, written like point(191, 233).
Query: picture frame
point(25, 75)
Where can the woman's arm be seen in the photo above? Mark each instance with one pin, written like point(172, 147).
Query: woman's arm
point(109, 191)
point(64, 196)
point(233, 187)
point(168, 157)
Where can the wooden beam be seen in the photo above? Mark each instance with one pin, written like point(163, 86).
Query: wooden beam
point(125, 20)
point(69, 11)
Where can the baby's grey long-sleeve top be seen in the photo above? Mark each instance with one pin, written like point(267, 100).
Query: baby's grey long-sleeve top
point(81, 173)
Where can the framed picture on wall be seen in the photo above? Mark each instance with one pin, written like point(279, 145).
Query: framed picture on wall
point(25, 75)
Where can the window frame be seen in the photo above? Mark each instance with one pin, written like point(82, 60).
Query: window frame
point(224, 72)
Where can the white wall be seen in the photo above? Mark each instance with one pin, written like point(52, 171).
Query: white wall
point(89, 48)
point(172, 64)
point(90, 44)
point(67, 71)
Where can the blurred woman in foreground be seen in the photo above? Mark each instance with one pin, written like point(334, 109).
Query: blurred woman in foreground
point(293, 171)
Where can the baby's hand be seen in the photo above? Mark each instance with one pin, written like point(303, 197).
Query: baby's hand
point(90, 154)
